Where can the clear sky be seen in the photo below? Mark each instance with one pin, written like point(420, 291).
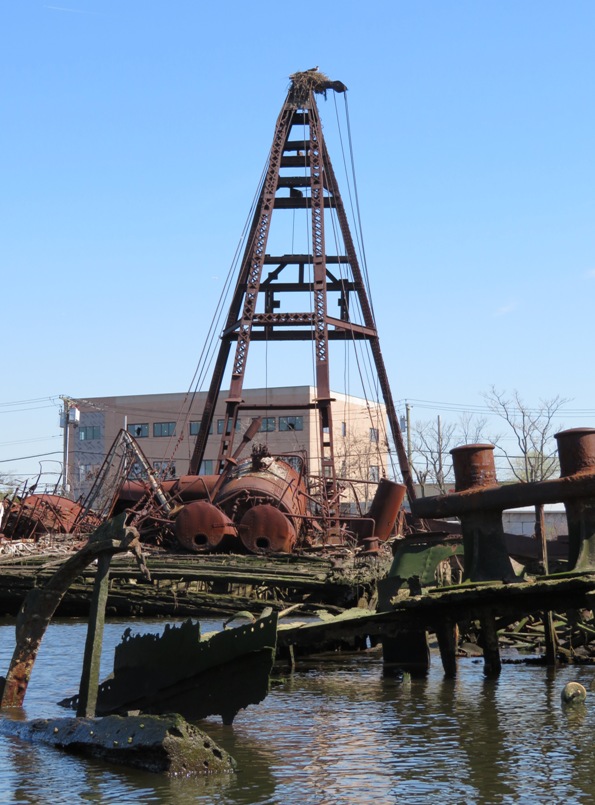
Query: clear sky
point(132, 137)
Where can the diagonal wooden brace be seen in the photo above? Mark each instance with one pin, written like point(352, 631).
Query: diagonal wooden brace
point(38, 608)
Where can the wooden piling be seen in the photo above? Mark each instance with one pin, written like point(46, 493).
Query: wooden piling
point(446, 634)
point(491, 650)
point(92, 656)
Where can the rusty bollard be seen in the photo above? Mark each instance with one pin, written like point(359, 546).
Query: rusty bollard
point(486, 557)
point(576, 450)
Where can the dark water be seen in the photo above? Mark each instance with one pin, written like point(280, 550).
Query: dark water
point(335, 734)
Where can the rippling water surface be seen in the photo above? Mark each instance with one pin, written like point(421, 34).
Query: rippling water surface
point(334, 734)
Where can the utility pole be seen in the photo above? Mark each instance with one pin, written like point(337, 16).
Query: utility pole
point(65, 414)
point(69, 415)
point(440, 477)
point(408, 415)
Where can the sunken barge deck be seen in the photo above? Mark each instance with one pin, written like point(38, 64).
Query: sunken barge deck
point(185, 584)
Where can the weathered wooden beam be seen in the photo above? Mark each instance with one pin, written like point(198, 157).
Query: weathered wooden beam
point(41, 603)
point(92, 655)
point(457, 604)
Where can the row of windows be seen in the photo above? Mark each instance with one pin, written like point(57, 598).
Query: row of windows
point(89, 432)
point(141, 431)
point(268, 425)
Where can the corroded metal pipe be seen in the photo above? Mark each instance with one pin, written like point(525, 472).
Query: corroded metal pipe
point(385, 507)
point(486, 557)
point(576, 451)
point(509, 496)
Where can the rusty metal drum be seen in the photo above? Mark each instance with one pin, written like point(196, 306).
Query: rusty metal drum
point(264, 528)
point(202, 527)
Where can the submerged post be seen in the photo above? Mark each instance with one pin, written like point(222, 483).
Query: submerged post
point(92, 657)
point(41, 602)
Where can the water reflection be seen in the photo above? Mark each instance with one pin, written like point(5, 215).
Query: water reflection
point(335, 733)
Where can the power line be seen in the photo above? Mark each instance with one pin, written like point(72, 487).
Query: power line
point(484, 409)
point(29, 441)
point(38, 455)
point(21, 410)
point(27, 402)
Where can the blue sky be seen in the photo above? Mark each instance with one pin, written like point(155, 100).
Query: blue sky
point(133, 136)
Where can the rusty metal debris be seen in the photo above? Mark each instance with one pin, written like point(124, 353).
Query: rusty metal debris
point(181, 672)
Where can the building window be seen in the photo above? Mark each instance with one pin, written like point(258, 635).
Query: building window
point(221, 424)
point(343, 428)
point(374, 472)
point(139, 431)
point(87, 472)
point(374, 435)
point(164, 428)
point(195, 427)
point(268, 424)
point(165, 469)
point(206, 466)
point(291, 423)
point(89, 432)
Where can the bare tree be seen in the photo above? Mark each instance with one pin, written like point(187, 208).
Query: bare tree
point(7, 484)
point(533, 430)
point(432, 441)
point(362, 459)
point(472, 430)
point(430, 445)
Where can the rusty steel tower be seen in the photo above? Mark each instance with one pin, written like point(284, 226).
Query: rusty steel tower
point(298, 144)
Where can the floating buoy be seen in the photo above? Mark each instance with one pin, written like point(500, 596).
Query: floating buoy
point(573, 693)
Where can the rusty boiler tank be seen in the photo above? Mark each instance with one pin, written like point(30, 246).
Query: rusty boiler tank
point(258, 507)
point(266, 498)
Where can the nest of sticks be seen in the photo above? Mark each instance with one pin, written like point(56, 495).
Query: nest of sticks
point(313, 81)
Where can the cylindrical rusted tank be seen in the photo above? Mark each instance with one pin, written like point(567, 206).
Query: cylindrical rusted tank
point(576, 451)
point(201, 527)
point(185, 488)
point(385, 507)
point(473, 465)
point(272, 481)
point(265, 528)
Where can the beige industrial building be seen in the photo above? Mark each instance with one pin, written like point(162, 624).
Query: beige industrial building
point(165, 426)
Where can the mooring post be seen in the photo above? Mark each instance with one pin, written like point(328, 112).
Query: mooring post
point(92, 657)
point(447, 634)
point(576, 451)
point(489, 642)
point(548, 621)
point(485, 557)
